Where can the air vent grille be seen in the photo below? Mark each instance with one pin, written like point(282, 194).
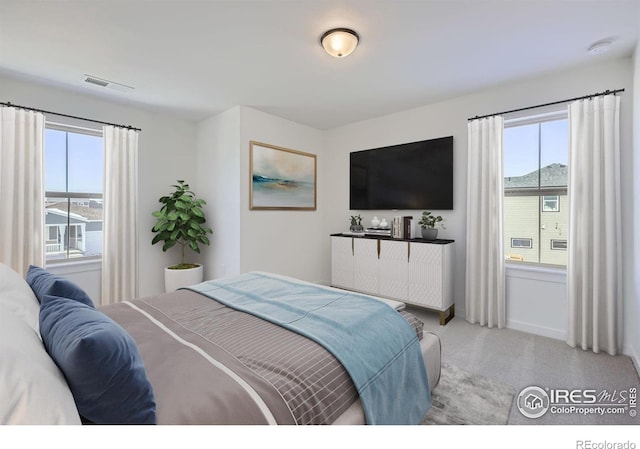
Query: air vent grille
point(96, 81)
point(106, 83)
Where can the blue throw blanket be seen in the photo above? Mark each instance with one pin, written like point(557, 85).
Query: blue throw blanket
point(375, 344)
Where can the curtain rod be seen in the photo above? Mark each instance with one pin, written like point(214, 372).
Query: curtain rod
point(68, 116)
point(606, 92)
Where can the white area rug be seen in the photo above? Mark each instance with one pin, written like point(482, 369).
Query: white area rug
point(464, 398)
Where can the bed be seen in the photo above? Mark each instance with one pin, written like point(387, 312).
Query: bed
point(195, 356)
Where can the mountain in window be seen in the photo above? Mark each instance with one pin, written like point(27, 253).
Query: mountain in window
point(553, 175)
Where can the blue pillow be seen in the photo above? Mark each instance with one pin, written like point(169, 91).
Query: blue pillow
point(43, 283)
point(100, 361)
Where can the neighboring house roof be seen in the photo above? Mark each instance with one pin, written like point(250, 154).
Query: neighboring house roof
point(79, 212)
point(553, 175)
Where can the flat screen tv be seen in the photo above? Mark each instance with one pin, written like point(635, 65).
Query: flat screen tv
point(416, 175)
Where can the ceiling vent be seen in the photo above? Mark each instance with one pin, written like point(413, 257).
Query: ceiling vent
point(106, 83)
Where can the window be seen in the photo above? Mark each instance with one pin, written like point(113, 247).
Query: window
point(521, 243)
point(73, 193)
point(536, 155)
point(559, 244)
point(550, 203)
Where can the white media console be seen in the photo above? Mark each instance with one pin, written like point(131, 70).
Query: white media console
point(415, 271)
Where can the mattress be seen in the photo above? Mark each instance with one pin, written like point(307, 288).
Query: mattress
point(296, 380)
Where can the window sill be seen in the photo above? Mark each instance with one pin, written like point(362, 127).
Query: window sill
point(545, 273)
point(74, 266)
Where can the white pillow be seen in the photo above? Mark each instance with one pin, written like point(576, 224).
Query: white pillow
point(17, 296)
point(33, 390)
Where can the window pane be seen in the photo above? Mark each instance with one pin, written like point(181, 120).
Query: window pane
point(521, 243)
point(550, 203)
point(554, 153)
point(73, 233)
point(535, 202)
point(86, 218)
point(55, 219)
point(521, 156)
point(85, 163)
point(521, 221)
point(559, 244)
point(55, 161)
point(73, 225)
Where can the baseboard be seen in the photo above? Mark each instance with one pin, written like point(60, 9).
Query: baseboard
point(631, 352)
point(537, 330)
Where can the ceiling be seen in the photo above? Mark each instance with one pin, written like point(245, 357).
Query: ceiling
point(199, 58)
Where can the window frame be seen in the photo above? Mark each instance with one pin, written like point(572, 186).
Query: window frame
point(68, 197)
point(522, 239)
point(543, 199)
point(565, 241)
point(520, 118)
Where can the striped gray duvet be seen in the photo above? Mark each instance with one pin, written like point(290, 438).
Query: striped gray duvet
point(210, 364)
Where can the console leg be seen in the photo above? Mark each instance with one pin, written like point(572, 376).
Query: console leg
point(446, 316)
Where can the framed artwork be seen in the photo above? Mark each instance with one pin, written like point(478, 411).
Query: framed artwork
point(281, 179)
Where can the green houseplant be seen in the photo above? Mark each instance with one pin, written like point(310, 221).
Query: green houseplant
point(428, 223)
point(181, 221)
point(356, 223)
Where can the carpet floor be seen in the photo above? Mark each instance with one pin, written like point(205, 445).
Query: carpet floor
point(520, 360)
point(464, 398)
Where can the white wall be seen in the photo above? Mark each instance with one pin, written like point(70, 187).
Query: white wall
point(291, 243)
point(283, 242)
point(166, 153)
point(450, 118)
point(218, 183)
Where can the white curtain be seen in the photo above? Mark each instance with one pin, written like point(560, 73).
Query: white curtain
point(120, 226)
point(21, 188)
point(485, 295)
point(594, 268)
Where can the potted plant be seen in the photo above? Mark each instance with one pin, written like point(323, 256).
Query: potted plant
point(181, 221)
point(428, 223)
point(356, 223)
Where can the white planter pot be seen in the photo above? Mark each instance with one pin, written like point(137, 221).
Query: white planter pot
point(175, 279)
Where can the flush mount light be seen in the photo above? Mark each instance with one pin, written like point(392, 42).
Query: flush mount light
point(339, 42)
point(600, 47)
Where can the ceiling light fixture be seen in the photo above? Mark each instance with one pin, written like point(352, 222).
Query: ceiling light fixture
point(339, 42)
point(600, 47)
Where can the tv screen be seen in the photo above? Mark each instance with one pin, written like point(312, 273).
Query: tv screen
point(417, 175)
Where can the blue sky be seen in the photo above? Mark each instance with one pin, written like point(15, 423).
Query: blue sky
point(85, 162)
point(85, 155)
point(521, 147)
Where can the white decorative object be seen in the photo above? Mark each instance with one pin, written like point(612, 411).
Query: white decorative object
point(375, 222)
point(175, 279)
point(383, 223)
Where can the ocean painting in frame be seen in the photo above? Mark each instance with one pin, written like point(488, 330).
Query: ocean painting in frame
point(281, 179)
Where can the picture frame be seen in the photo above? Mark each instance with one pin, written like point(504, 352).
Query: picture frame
point(281, 178)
